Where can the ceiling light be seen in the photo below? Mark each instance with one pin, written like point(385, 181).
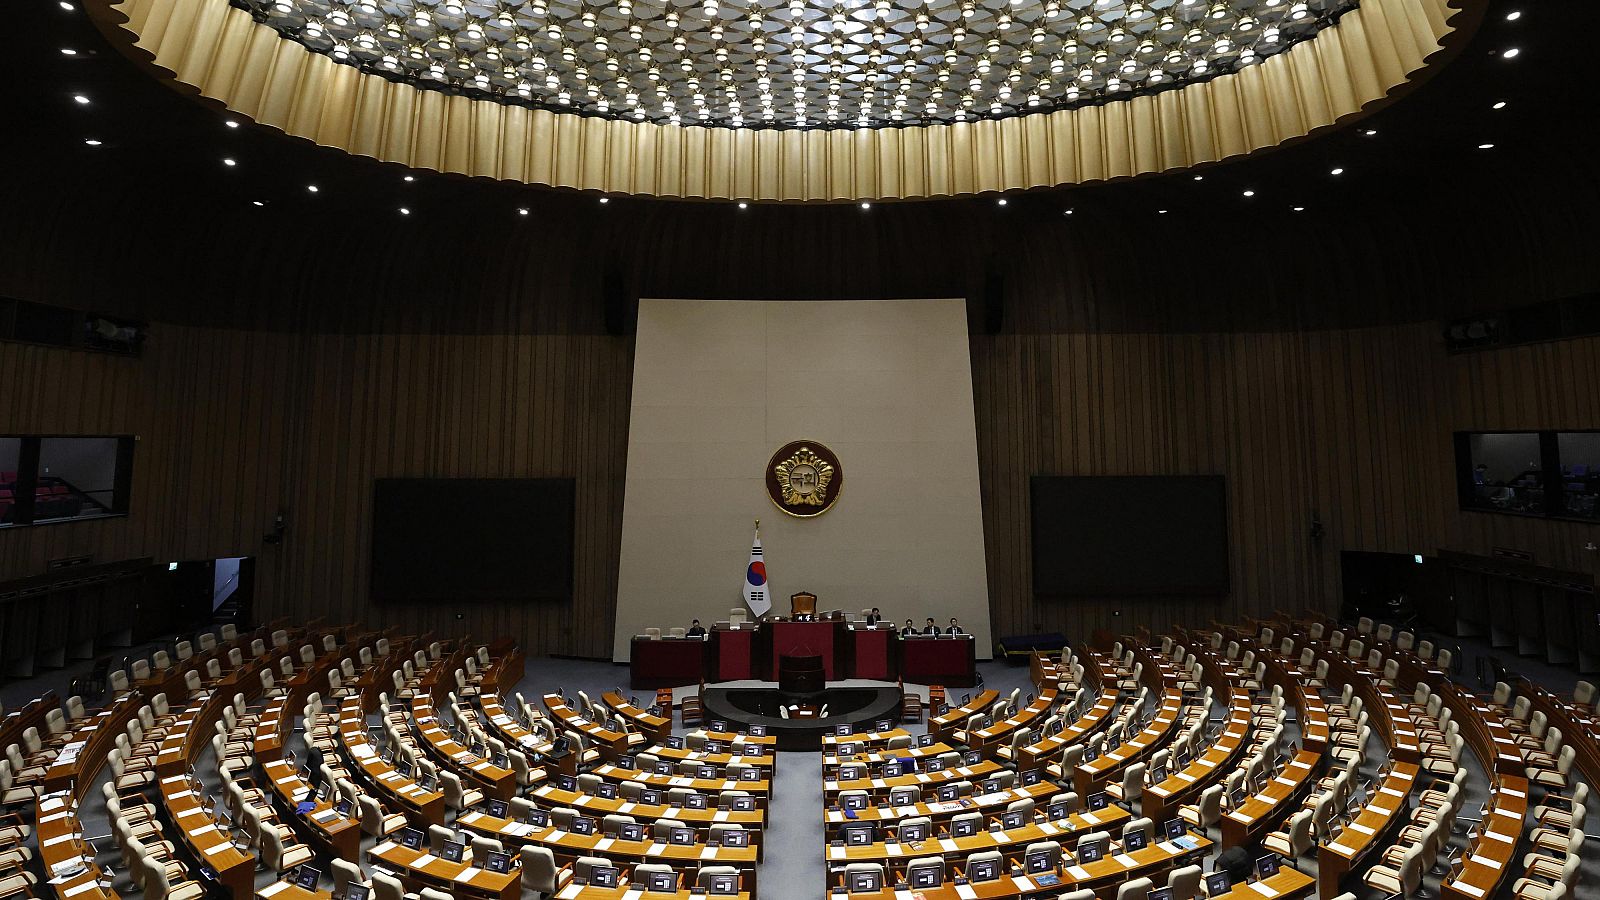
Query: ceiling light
point(1162, 211)
point(92, 142)
point(1001, 201)
point(1511, 16)
point(229, 161)
point(1500, 104)
point(67, 6)
point(1199, 178)
point(1337, 170)
point(1249, 193)
point(1066, 212)
point(743, 205)
point(1485, 146)
point(866, 205)
point(257, 203)
point(312, 188)
point(404, 211)
point(1299, 209)
point(68, 51)
point(605, 199)
point(409, 178)
point(230, 123)
point(1370, 132)
point(81, 99)
point(522, 210)
point(1510, 53)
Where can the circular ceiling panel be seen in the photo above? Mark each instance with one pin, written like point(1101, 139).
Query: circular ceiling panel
point(799, 63)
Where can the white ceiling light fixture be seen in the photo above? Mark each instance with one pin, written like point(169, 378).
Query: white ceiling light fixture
point(862, 65)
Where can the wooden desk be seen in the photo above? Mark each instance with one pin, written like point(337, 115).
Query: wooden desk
point(550, 797)
point(741, 737)
point(1092, 776)
point(1041, 752)
point(1161, 801)
point(761, 790)
point(323, 829)
point(1102, 875)
point(495, 782)
point(611, 744)
point(921, 780)
point(989, 739)
point(571, 891)
point(1288, 884)
point(1262, 813)
point(62, 848)
point(895, 856)
point(1386, 808)
point(988, 804)
point(567, 846)
point(421, 808)
point(941, 726)
point(89, 741)
point(1486, 864)
point(831, 762)
point(654, 728)
point(206, 839)
point(869, 739)
point(284, 890)
point(419, 869)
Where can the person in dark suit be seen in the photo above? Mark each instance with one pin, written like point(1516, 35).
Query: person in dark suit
point(930, 628)
point(909, 630)
point(874, 617)
point(954, 628)
point(696, 630)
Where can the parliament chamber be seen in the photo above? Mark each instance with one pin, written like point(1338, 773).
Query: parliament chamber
point(795, 449)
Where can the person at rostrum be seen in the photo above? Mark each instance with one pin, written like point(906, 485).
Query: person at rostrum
point(696, 630)
point(909, 630)
point(874, 617)
point(930, 628)
point(955, 627)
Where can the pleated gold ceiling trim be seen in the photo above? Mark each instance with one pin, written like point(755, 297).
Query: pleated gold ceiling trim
point(219, 51)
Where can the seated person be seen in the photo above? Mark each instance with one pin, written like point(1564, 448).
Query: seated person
point(909, 630)
point(955, 628)
point(930, 628)
point(874, 617)
point(696, 630)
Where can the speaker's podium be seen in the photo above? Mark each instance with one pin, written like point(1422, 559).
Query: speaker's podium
point(803, 635)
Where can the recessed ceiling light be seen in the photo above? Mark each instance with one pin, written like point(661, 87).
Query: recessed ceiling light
point(68, 51)
point(229, 161)
point(1249, 193)
point(522, 210)
point(866, 206)
point(410, 178)
point(743, 205)
point(1066, 212)
point(1162, 211)
point(1485, 146)
point(257, 203)
point(404, 211)
point(1001, 202)
point(1514, 15)
point(1199, 178)
point(79, 98)
point(605, 199)
point(92, 142)
point(1299, 209)
point(1370, 132)
point(1500, 104)
point(230, 123)
point(1511, 53)
point(1337, 170)
point(67, 6)
point(312, 188)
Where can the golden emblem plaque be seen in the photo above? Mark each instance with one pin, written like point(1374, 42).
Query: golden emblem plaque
point(804, 479)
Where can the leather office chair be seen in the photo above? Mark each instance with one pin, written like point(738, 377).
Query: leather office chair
point(803, 605)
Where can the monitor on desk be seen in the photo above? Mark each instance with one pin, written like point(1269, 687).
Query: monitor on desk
point(631, 831)
point(893, 769)
point(1174, 829)
point(742, 804)
point(675, 742)
point(681, 837)
point(583, 825)
point(1057, 810)
point(411, 838)
point(867, 882)
point(453, 851)
point(914, 833)
point(758, 731)
point(694, 801)
point(539, 817)
point(650, 797)
point(498, 862)
point(948, 792)
point(718, 725)
point(712, 747)
point(883, 725)
point(1160, 894)
point(933, 764)
point(604, 876)
point(984, 870)
point(708, 773)
point(357, 892)
point(973, 757)
point(925, 877)
point(663, 767)
point(1010, 819)
point(1134, 840)
point(627, 761)
point(724, 885)
point(306, 877)
point(843, 730)
point(735, 837)
point(498, 808)
point(859, 834)
point(989, 786)
point(606, 791)
point(1267, 866)
point(661, 882)
point(1091, 851)
point(961, 827)
point(1032, 777)
point(1218, 884)
point(924, 740)
point(566, 782)
point(1099, 800)
point(1038, 861)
